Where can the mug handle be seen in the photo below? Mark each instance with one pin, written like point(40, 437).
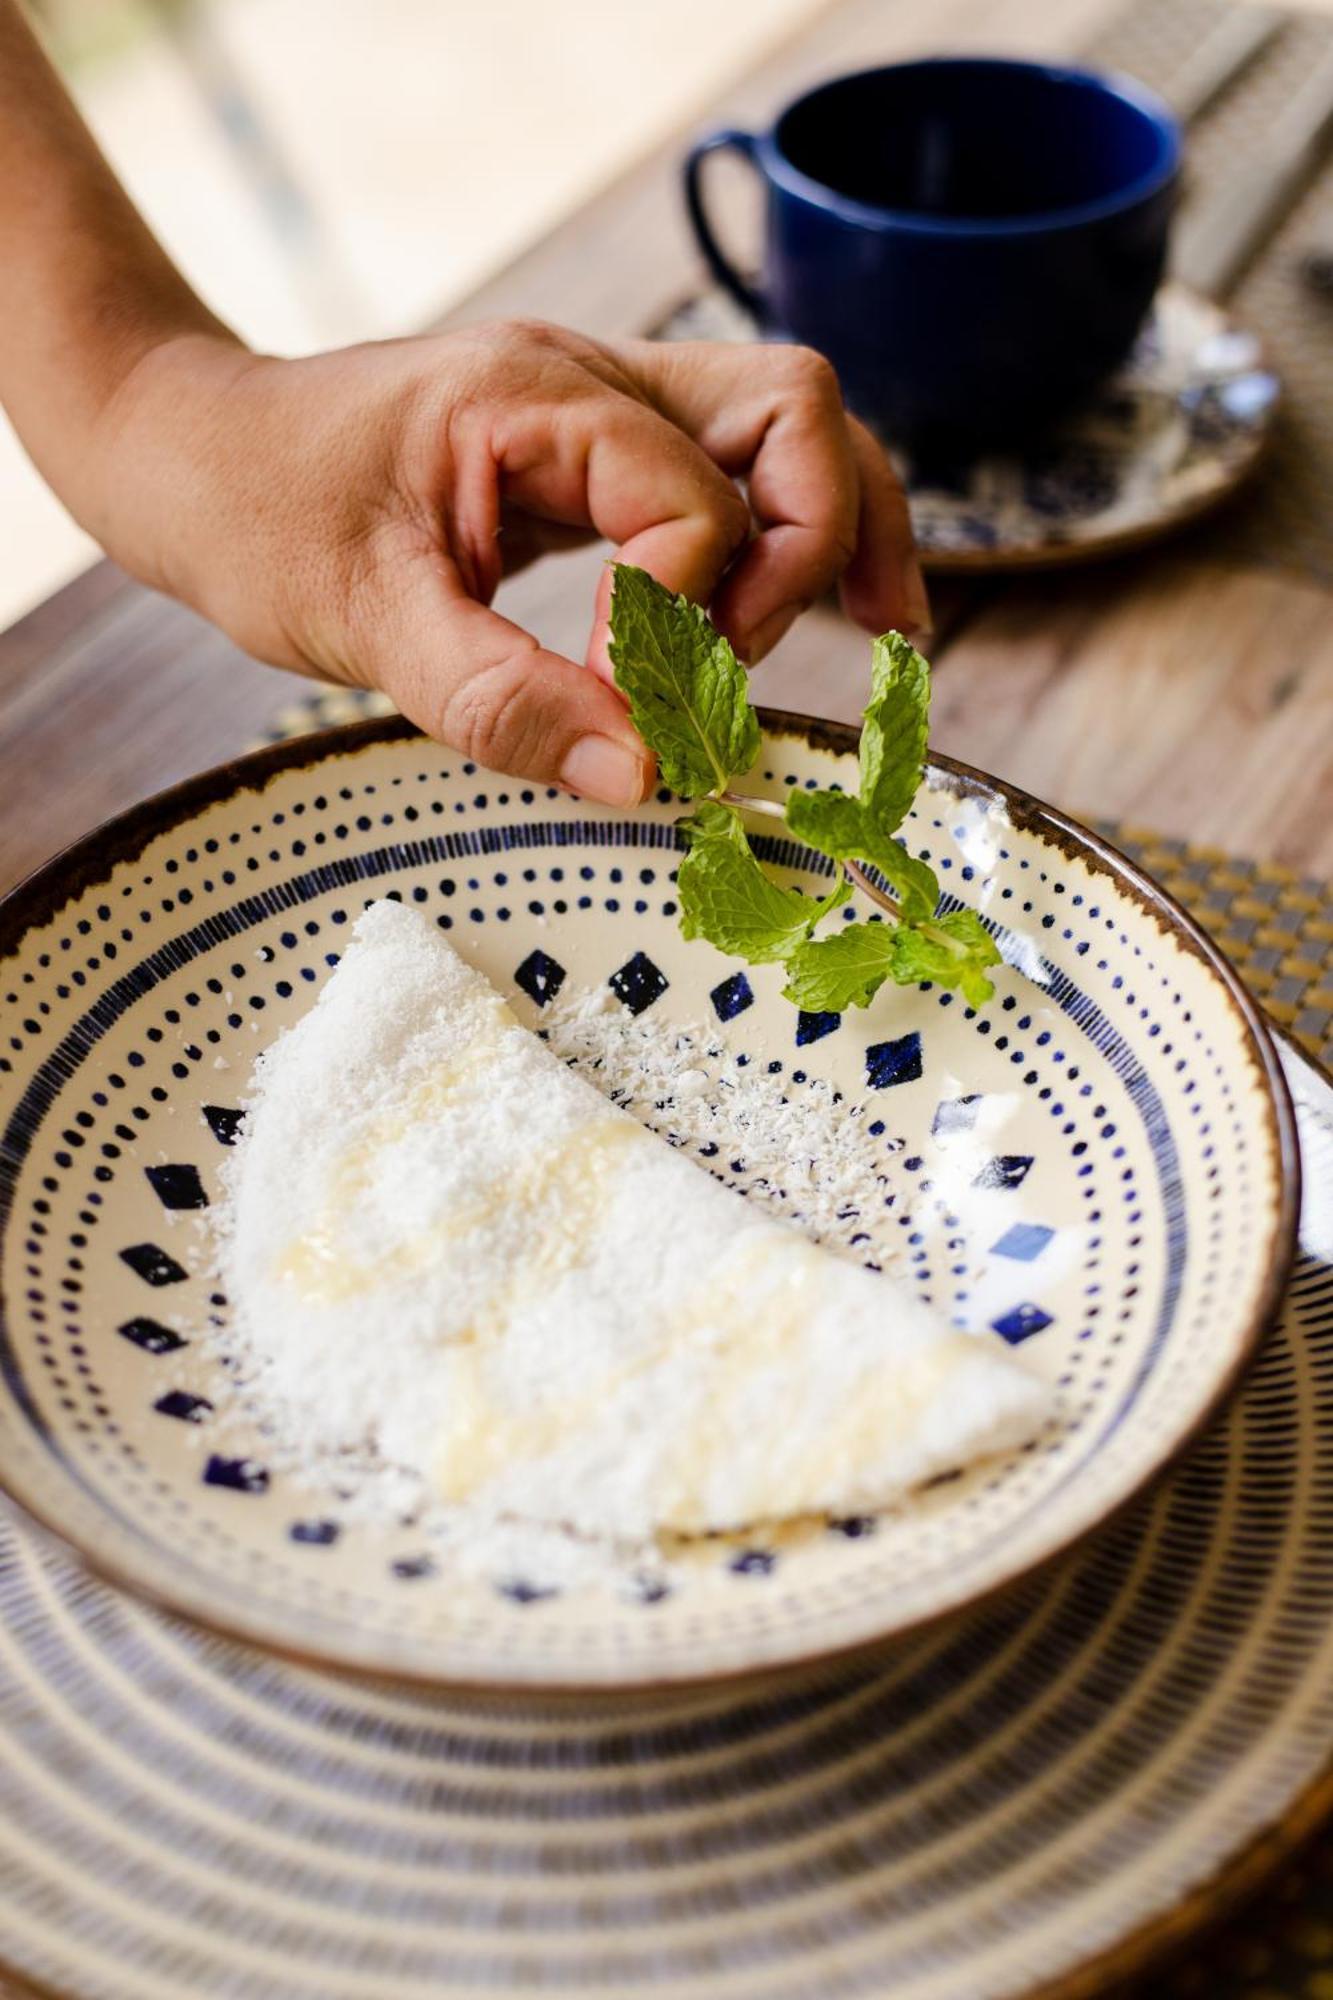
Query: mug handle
point(727, 140)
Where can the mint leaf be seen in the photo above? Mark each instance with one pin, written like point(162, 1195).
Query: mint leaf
point(980, 950)
point(892, 758)
point(952, 951)
point(829, 975)
point(840, 826)
point(726, 897)
point(893, 734)
point(829, 821)
point(686, 689)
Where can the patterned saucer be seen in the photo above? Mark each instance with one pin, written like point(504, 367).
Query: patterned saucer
point(1174, 433)
point(1025, 1804)
point(1100, 1167)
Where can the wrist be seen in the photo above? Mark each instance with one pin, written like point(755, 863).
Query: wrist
point(149, 449)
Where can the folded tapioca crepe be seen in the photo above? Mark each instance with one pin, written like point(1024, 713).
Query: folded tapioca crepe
point(446, 1246)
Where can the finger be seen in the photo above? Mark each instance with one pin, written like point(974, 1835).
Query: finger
point(776, 415)
point(590, 453)
point(474, 680)
point(665, 504)
point(882, 586)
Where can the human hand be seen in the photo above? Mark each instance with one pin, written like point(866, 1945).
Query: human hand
point(352, 514)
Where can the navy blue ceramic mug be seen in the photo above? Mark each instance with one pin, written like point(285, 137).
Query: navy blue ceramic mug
point(972, 243)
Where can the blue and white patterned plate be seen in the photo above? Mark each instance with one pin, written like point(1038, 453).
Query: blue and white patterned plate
point(1100, 1166)
point(1173, 433)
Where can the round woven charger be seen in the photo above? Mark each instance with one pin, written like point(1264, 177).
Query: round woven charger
point(1011, 1805)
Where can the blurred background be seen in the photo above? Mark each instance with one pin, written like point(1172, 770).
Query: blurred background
point(327, 173)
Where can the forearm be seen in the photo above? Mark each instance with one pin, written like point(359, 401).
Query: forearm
point(90, 292)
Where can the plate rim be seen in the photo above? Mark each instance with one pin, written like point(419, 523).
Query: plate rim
point(90, 860)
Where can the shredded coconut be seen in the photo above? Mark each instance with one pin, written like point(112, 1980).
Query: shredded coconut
point(351, 1389)
point(797, 1148)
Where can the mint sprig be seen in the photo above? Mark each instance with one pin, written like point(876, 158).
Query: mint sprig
point(689, 700)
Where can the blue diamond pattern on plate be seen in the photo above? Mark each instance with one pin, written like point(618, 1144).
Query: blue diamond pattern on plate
point(889, 1063)
point(1023, 1241)
point(753, 1562)
point(814, 1027)
point(522, 1592)
point(854, 1526)
point(177, 1186)
point(540, 976)
point(732, 997)
point(956, 1114)
point(638, 982)
point(240, 1475)
point(315, 1534)
point(1020, 1323)
point(152, 1336)
point(153, 1265)
point(223, 1122)
point(413, 1568)
point(1006, 1170)
point(181, 1404)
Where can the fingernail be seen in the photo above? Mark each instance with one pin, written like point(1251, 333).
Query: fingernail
point(765, 637)
point(600, 768)
point(916, 602)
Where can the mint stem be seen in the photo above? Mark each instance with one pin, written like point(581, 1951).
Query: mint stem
point(773, 809)
point(770, 808)
point(889, 904)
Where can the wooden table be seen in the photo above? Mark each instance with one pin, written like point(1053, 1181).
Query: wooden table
point(1166, 688)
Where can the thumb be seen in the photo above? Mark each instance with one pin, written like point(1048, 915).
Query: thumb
point(483, 685)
